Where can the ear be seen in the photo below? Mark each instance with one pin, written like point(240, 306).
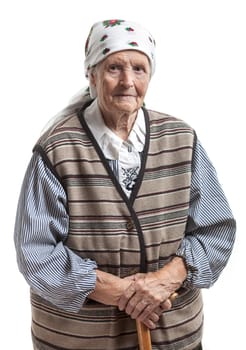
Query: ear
point(92, 78)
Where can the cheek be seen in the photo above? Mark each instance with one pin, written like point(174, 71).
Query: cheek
point(142, 89)
point(105, 94)
point(108, 85)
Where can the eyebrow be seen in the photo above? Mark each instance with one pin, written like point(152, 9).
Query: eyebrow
point(123, 62)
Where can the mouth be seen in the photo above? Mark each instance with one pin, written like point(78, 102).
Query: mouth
point(125, 99)
point(125, 95)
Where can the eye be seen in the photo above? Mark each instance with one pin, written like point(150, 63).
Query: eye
point(114, 67)
point(139, 69)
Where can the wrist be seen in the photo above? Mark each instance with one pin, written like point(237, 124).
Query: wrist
point(108, 288)
point(174, 273)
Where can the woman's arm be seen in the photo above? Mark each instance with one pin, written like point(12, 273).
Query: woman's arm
point(51, 269)
point(210, 231)
point(203, 253)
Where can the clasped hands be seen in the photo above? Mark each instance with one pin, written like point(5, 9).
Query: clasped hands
point(143, 296)
point(146, 298)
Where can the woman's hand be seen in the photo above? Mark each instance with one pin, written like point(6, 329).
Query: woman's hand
point(142, 296)
point(109, 288)
point(152, 319)
point(148, 294)
point(145, 295)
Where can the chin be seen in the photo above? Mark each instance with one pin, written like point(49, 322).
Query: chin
point(126, 107)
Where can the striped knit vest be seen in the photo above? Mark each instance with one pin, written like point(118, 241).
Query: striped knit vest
point(122, 235)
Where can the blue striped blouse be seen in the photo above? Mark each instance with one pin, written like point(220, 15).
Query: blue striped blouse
point(60, 276)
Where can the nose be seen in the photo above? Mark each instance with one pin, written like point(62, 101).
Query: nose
point(127, 78)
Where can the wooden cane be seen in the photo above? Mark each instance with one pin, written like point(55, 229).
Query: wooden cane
point(144, 338)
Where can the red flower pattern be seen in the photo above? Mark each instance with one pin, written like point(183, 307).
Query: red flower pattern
point(133, 43)
point(112, 22)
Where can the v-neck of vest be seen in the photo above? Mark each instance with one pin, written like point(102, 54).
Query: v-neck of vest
point(99, 151)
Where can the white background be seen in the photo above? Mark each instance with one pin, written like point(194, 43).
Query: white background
point(200, 78)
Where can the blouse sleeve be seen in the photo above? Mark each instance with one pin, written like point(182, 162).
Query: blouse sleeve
point(210, 231)
point(51, 269)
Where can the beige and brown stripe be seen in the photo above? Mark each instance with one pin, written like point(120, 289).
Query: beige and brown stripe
point(122, 235)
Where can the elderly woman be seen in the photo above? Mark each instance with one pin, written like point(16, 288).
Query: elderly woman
point(120, 207)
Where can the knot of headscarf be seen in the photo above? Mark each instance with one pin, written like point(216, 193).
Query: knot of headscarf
point(115, 35)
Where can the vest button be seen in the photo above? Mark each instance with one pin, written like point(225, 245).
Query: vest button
point(129, 225)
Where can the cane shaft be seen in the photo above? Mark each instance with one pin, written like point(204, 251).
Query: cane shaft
point(144, 339)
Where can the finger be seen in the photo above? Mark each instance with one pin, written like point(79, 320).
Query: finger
point(145, 314)
point(136, 301)
point(166, 305)
point(123, 301)
point(158, 310)
point(135, 306)
point(149, 323)
point(154, 317)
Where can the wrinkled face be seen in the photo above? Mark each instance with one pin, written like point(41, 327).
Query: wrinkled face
point(121, 82)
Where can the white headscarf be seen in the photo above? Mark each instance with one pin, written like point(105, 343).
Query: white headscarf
point(116, 35)
point(107, 37)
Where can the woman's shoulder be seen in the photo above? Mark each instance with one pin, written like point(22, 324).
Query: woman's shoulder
point(164, 118)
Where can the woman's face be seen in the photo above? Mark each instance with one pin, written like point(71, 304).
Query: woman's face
point(121, 82)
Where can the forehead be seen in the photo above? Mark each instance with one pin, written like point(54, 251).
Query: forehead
point(126, 57)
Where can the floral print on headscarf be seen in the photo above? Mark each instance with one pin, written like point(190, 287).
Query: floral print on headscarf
point(115, 35)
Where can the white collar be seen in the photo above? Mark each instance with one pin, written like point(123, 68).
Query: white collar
point(109, 142)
